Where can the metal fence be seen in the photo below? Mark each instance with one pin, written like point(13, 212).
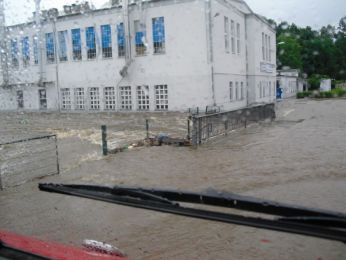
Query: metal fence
point(206, 126)
point(27, 159)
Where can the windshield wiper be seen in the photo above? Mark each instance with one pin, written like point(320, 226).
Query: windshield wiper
point(287, 218)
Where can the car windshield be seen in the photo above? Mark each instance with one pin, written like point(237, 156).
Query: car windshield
point(180, 106)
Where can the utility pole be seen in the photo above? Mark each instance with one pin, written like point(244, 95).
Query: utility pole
point(3, 46)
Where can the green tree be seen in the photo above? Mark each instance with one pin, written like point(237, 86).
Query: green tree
point(288, 52)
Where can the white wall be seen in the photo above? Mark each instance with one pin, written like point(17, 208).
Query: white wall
point(261, 72)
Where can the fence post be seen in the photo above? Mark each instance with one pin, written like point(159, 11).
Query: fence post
point(194, 131)
point(226, 127)
point(57, 154)
point(104, 140)
point(199, 130)
point(147, 127)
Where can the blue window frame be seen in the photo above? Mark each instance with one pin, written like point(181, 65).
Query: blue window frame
point(35, 49)
point(140, 38)
point(26, 51)
point(121, 40)
point(76, 44)
point(90, 42)
point(106, 36)
point(14, 53)
point(62, 45)
point(50, 48)
point(159, 34)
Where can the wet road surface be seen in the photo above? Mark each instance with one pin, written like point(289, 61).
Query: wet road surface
point(299, 159)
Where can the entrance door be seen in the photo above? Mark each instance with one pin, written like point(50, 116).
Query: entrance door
point(20, 99)
point(43, 98)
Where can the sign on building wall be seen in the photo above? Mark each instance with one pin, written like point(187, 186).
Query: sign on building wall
point(267, 67)
point(325, 85)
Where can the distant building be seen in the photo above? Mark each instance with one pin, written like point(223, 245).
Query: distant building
point(290, 82)
point(145, 55)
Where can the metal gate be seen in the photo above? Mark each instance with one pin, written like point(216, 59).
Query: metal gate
point(27, 159)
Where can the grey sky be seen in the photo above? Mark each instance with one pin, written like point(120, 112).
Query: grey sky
point(314, 13)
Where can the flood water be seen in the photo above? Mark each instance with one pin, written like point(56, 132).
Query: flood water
point(299, 159)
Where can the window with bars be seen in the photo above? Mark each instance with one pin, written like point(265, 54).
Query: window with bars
point(231, 91)
point(76, 45)
point(50, 48)
point(232, 37)
point(79, 98)
point(238, 38)
point(109, 97)
point(35, 49)
point(161, 97)
point(121, 40)
point(143, 97)
point(62, 46)
point(237, 90)
point(94, 98)
point(140, 35)
point(106, 35)
point(159, 35)
point(65, 98)
point(90, 43)
point(26, 51)
point(126, 97)
point(226, 33)
point(14, 53)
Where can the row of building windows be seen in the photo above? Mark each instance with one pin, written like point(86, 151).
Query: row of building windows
point(236, 91)
point(92, 96)
point(267, 89)
point(266, 47)
point(231, 35)
point(158, 36)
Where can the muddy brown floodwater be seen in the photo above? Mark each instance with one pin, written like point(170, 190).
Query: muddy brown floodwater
point(299, 159)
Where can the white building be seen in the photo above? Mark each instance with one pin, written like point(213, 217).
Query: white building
point(183, 54)
point(290, 82)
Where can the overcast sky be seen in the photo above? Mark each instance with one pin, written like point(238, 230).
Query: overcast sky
point(314, 13)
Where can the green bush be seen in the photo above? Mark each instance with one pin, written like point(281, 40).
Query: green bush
point(339, 92)
point(328, 94)
point(304, 94)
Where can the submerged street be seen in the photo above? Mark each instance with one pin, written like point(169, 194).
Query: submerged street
point(298, 159)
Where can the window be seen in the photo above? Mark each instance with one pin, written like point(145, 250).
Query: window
point(94, 99)
point(35, 47)
point(65, 99)
point(79, 98)
point(121, 40)
point(90, 43)
point(260, 89)
point(263, 52)
point(231, 91)
point(140, 38)
point(264, 90)
point(226, 29)
point(106, 36)
point(161, 97)
point(159, 35)
point(143, 97)
point(26, 51)
point(14, 53)
point(109, 95)
point(241, 91)
point(266, 47)
point(237, 91)
point(50, 49)
point(270, 89)
point(238, 38)
point(20, 99)
point(126, 98)
point(232, 36)
point(43, 98)
point(269, 49)
point(62, 45)
point(76, 45)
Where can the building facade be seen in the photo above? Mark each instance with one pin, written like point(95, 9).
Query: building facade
point(145, 55)
point(290, 82)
